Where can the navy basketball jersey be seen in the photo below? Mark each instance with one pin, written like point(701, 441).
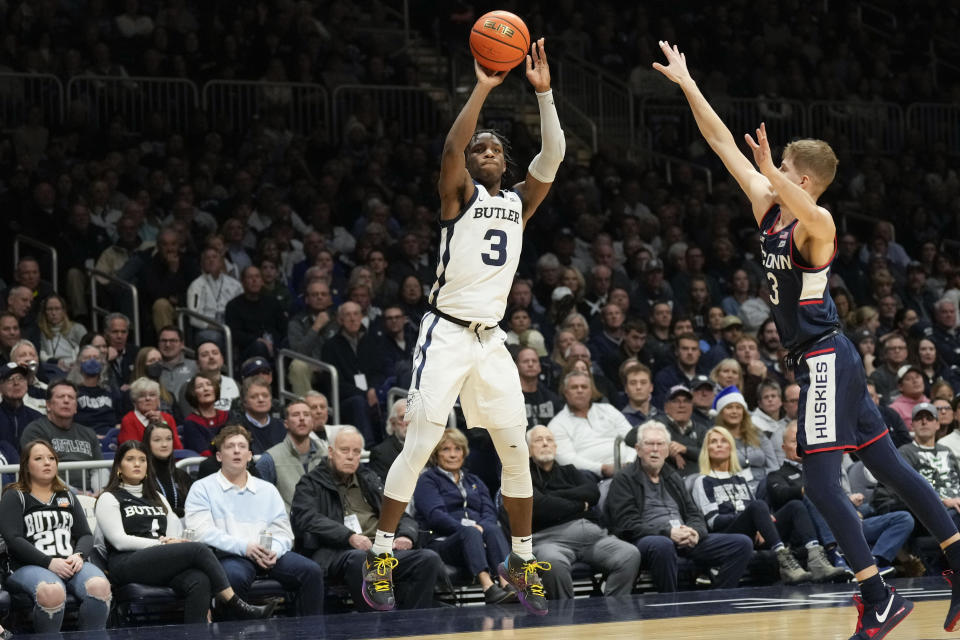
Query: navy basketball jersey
point(799, 293)
point(48, 526)
point(139, 517)
point(479, 253)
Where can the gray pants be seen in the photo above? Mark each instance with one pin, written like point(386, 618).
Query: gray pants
point(563, 544)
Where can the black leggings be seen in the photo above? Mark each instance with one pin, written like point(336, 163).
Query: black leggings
point(793, 523)
point(822, 482)
point(189, 568)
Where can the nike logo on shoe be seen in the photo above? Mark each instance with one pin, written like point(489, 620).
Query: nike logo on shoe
point(881, 618)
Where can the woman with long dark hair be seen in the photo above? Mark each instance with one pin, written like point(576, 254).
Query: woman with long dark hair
point(142, 540)
point(48, 541)
point(932, 365)
point(172, 483)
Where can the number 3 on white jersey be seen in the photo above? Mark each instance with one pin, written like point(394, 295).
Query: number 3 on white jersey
point(774, 289)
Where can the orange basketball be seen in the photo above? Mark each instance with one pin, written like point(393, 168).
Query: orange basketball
point(499, 40)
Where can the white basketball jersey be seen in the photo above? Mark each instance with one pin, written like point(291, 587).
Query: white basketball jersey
point(479, 253)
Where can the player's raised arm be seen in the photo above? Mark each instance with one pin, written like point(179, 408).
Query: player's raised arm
point(456, 186)
point(754, 184)
point(816, 220)
point(543, 167)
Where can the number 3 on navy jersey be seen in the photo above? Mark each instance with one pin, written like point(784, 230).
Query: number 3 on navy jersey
point(774, 289)
point(498, 248)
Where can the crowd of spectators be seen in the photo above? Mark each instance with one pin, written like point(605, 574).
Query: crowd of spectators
point(638, 307)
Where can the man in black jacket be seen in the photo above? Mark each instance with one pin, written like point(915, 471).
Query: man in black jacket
point(258, 322)
point(348, 351)
point(649, 506)
point(335, 511)
point(565, 524)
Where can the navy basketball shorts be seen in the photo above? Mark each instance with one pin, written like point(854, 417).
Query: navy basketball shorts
point(835, 410)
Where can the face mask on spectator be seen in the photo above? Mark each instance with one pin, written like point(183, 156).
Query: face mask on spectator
point(154, 370)
point(91, 367)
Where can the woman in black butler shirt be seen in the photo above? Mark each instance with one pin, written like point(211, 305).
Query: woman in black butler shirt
point(142, 539)
point(48, 540)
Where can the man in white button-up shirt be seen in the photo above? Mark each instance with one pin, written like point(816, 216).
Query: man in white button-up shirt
point(210, 293)
point(585, 430)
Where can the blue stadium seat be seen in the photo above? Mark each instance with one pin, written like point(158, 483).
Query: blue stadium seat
point(109, 442)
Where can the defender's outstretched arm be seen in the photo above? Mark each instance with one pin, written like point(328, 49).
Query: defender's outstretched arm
point(754, 184)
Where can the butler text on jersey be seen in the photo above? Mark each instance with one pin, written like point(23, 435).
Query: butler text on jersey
point(498, 213)
point(40, 521)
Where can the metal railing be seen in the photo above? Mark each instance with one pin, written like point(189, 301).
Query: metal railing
point(848, 125)
point(401, 13)
point(304, 106)
point(579, 122)
point(858, 126)
point(877, 19)
point(936, 121)
point(98, 278)
point(42, 246)
point(414, 109)
point(669, 162)
point(71, 472)
point(21, 92)
point(667, 124)
point(333, 398)
point(183, 313)
point(600, 96)
point(135, 99)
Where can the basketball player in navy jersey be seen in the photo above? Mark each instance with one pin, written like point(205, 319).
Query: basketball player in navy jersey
point(836, 413)
point(460, 350)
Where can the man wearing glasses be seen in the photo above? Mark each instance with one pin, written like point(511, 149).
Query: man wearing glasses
point(649, 506)
point(177, 369)
point(894, 357)
point(392, 343)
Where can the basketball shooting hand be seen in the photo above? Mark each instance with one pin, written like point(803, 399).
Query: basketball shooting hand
point(676, 67)
point(761, 150)
point(538, 71)
point(486, 77)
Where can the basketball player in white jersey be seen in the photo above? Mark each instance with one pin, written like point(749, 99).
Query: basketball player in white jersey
point(460, 350)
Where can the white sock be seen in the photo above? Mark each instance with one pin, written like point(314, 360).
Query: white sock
point(383, 543)
point(523, 547)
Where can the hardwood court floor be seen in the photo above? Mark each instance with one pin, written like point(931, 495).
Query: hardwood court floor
point(829, 623)
point(806, 612)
